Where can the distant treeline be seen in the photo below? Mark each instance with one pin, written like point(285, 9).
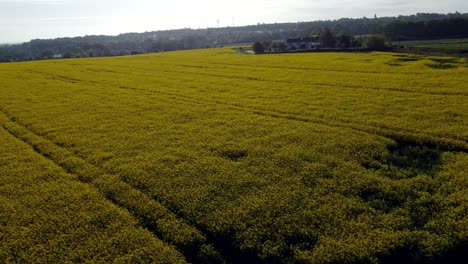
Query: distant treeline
point(417, 26)
point(432, 29)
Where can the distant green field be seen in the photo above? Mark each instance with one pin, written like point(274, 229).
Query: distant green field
point(215, 156)
point(442, 45)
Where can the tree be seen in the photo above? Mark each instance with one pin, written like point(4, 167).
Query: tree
point(282, 46)
point(67, 55)
point(327, 39)
point(374, 42)
point(47, 54)
point(344, 41)
point(258, 48)
point(278, 46)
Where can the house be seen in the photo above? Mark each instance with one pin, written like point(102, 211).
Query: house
point(302, 43)
point(275, 49)
point(278, 46)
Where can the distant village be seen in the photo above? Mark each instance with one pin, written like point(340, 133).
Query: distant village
point(301, 43)
point(288, 45)
point(325, 40)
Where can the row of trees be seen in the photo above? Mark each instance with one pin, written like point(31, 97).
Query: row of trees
point(332, 39)
point(96, 46)
point(410, 30)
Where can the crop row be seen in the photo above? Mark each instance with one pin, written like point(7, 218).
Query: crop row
point(444, 142)
point(151, 214)
point(71, 222)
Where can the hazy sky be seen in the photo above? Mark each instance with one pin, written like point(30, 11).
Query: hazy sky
point(22, 20)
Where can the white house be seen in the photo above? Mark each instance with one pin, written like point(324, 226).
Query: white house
point(302, 43)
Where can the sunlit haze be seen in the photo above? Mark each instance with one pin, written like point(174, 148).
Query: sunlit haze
point(22, 20)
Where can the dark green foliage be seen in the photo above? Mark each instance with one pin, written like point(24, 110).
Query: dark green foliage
point(344, 41)
point(446, 63)
point(281, 46)
point(419, 159)
point(407, 159)
point(233, 154)
point(47, 54)
point(432, 29)
point(327, 38)
point(374, 42)
point(258, 48)
point(67, 55)
point(408, 58)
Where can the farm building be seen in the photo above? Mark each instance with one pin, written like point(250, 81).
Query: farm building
point(302, 43)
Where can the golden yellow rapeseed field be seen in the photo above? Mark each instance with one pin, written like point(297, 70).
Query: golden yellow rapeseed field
point(215, 156)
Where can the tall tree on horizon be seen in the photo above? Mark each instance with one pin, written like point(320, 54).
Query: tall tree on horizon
point(327, 38)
